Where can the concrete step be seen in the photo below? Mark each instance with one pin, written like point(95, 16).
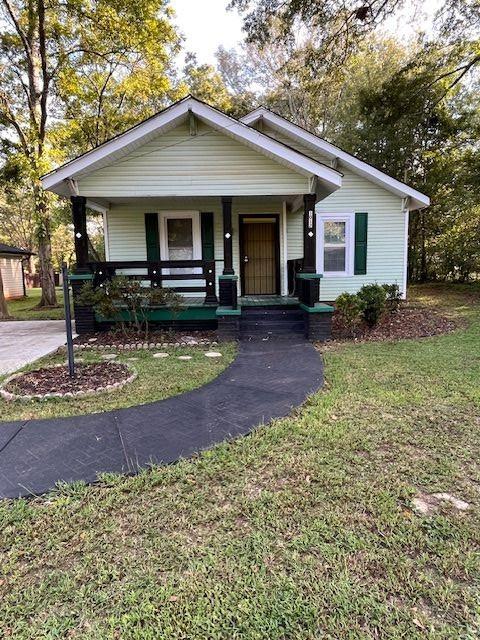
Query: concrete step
point(271, 327)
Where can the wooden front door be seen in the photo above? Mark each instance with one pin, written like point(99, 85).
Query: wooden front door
point(259, 255)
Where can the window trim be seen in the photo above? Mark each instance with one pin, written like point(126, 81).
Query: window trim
point(196, 233)
point(349, 219)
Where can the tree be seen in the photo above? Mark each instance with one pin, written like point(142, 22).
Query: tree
point(394, 105)
point(206, 83)
point(4, 315)
point(341, 26)
point(16, 216)
point(44, 49)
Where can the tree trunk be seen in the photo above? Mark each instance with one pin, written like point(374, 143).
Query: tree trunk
point(423, 249)
point(47, 279)
point(4, 315)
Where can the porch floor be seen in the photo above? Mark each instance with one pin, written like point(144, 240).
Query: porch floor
point(267, 301)
point(196, 302)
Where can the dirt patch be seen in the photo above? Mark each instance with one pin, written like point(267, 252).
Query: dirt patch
point(407, 322)
point(427, 504)
point(56, 382)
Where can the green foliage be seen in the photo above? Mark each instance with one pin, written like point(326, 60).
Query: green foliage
point(394, 297)
point(123, 293)
point(374, 300)
point(350, 307)
point(410, 109)
point(206, 83)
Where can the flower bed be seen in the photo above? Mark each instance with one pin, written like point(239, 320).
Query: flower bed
point(132, 340)
point(55, 382)
point(407, 322)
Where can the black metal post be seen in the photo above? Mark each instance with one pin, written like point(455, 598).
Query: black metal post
point(68, 320)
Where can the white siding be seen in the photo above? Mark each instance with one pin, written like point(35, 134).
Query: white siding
point(178, 164)
point(126, 228)
point(386, 234)
point(387, 230)
point(12, 277)
point(212, 161)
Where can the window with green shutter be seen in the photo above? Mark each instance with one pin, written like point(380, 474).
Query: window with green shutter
point(208, 247)
point(361, 233)
point(152, 237)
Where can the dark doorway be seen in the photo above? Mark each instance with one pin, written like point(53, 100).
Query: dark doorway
point(260, 254)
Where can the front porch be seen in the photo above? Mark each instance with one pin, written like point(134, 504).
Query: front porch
point(237, 257)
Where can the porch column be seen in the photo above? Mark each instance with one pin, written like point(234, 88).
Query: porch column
point(308, 281)
point(309, 234)
point(79, 215)
point(84, 315)
point(228, 279)
point(227, 236)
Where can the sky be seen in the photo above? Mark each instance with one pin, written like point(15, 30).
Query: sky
point(206, 24)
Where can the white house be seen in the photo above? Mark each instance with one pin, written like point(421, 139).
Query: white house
point(257, 207)
point(11, 266)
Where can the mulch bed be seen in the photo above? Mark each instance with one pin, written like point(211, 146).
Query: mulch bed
point(407, 322)
point(55, 381)
point(155, 339)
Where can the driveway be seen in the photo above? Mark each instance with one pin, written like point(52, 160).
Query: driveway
point(24, 341)
point(267, 380)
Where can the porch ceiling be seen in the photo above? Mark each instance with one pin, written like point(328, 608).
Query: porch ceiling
point(294, 202)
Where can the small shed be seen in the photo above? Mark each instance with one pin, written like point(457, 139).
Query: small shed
point(11, 266)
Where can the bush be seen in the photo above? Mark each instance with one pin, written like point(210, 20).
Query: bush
point(125, 293)
point(374, 299)
point(350, 308)
point(394, 297)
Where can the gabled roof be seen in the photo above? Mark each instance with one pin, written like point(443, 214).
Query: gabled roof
point(169, 118)
point(14, 251)
point(416, 200)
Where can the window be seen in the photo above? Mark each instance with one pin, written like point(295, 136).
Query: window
point(335, 244)
point(180, 238)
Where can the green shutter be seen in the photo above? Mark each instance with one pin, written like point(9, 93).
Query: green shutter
point(208, 248)
point(361, 225)
point(152, 237)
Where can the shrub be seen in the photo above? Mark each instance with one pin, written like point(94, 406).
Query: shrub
point(125, 293)
point(394, 297)
point(374, 299)
point(350, 308)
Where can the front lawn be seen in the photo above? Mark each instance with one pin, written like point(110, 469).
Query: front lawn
point(25, 308)
point(157, 379)
point(303, 530)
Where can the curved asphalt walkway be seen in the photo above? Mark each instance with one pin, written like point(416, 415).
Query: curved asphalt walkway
point(266, 381)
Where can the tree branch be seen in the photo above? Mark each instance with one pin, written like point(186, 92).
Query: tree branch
point(21, 33)
point(10, 117)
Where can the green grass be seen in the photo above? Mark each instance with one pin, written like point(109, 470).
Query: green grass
point(24, 309)
point(157, 378)
point(302, 530)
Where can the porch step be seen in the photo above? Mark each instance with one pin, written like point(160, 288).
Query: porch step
point(274, 315)
point(266, 322)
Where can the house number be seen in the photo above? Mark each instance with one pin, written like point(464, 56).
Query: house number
point(310, 219)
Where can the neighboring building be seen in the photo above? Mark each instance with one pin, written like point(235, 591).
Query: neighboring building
point(11, 266)
point(272, 209)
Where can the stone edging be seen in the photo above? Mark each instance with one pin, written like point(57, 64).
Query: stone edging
point(9, 397)
point(137, 346)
